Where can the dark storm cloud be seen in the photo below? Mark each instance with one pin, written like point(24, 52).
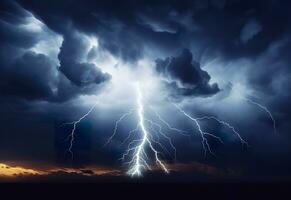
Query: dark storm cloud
point(271, 77)
point(271, 66)
point(11, 17)
point(124, 34)
point(114, 33)
point(184, 75)
point(31, 75)
point(80, 73)
point(23, 73)
point(127, 27)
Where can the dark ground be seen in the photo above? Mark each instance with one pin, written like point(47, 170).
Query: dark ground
point(146, 190)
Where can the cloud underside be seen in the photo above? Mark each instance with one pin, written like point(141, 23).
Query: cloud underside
point(128, 36)
point(40, 64)
point(184, 76)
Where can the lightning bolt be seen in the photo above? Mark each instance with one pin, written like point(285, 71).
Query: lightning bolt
point(146, 145)
point(182, 132)
point(265, 109)
point(243, 142)
point(205, 143)
point(125, 115)
point(139, 160)
point(140, 157)
point(71, 136)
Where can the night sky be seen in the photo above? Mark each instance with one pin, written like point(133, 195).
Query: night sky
point(229, 59)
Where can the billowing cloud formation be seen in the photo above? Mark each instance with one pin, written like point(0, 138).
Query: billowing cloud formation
point(29, 60)
point(24, 73)
point(184, 75)
point(80, 73)
point(30, 76)
point(168, 24)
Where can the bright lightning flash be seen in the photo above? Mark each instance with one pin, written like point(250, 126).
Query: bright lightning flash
point(139, 159)
point(137, 148)
point(150, 131)
point(140, 151)
point(150, 140)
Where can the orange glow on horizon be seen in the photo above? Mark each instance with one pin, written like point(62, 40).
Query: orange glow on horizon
point(10, 171)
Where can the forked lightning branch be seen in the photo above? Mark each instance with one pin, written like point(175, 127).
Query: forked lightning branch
point(145, 149)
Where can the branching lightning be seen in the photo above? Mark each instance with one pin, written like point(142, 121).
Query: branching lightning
point(150, 132)
point(137, 148)
point(243, 142)
point(139, 159)
point(127, 114)
point(205, 143)
point(145, 143)
point(71, 136)
point(265, 109)
point(182, 132)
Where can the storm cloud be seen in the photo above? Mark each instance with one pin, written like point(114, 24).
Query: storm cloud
point(30, 65)
point(72, 52)
point(184, 75)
